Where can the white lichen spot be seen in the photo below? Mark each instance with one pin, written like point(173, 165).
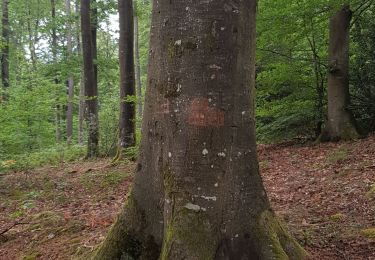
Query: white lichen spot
point(215, 67)
point(222, 28)
point(216, 185)
point(212, 166)
point(193, 207)
point(213, 76)
point(210, 100)
point(236, 235)
point(213, 198)
point(170, 155)
point(239, 154)
point(205, 152)
point(179, 86)
point(243, 113)
point(222, 154)
point(199, 188)
point(178, 43)
point(168, 201)
point(176, 110)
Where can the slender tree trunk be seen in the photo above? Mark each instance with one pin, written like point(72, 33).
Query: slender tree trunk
point(54, 56)
point(126, 56)
point(81, 108)
point(91, 88)
point(197, 191)
point(319, 87)
point(137, 67)
point(69, 47)
point(32, 40)
point(5, 48)
point(94, 28)
point(340, 124)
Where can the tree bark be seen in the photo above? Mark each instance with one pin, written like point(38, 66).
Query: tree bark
point(137, 66)
point(81, 107)
point(5, 48)
point(69, 47)
point(91, 88)
point(126, 58)
point(197, 191)
point(56, 80)
point(94, 29)
point(340, 124)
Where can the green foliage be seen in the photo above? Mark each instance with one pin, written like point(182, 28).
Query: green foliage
point(28, 118)
point(292, 50)
point(51, 156)
point(363, 70)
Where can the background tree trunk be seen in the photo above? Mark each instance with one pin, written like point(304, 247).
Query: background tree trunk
point(81, 107)
point(340, 124)
point(69, 47)
point(5, 48)
point(126, 56)
point(197, 192)
point(94, 29)
point(56, 80)
point(91, 88)
point(137, 65)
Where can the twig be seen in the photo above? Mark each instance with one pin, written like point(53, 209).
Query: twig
point(12, 226)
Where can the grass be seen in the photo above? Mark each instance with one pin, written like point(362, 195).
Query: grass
point(338, 155)
point(52, 156)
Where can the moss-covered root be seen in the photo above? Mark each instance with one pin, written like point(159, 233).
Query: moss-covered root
point(189, 235)
point(275, 241)
point(118, 157)
point(126, 238)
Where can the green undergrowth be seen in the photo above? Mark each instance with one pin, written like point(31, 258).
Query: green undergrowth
point(369, 233)
point(52, 156)
point(103, 179)
point(338, 155)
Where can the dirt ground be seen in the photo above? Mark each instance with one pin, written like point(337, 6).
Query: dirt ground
point(324, 193)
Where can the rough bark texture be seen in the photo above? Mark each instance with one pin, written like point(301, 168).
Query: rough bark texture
point(81, 108)
point(56, 80)
point(340, 124)
point(197, 192)
point(138, 67)
point(5, 48)
point(70, 82)
point(127, 84)
point(91, 88)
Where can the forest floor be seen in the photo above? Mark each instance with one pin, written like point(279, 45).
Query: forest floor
point(325, 193)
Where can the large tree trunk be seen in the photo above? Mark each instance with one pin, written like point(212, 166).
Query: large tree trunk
point(197, 192)
point(5, 48)
point(137, 66)
point(91, 88)
point(70, 83)
point(340, 124)
point(126, 56)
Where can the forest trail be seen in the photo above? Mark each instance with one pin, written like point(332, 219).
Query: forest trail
point(325, 193)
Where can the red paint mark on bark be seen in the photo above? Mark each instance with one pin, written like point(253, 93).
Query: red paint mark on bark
point(201, 114)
